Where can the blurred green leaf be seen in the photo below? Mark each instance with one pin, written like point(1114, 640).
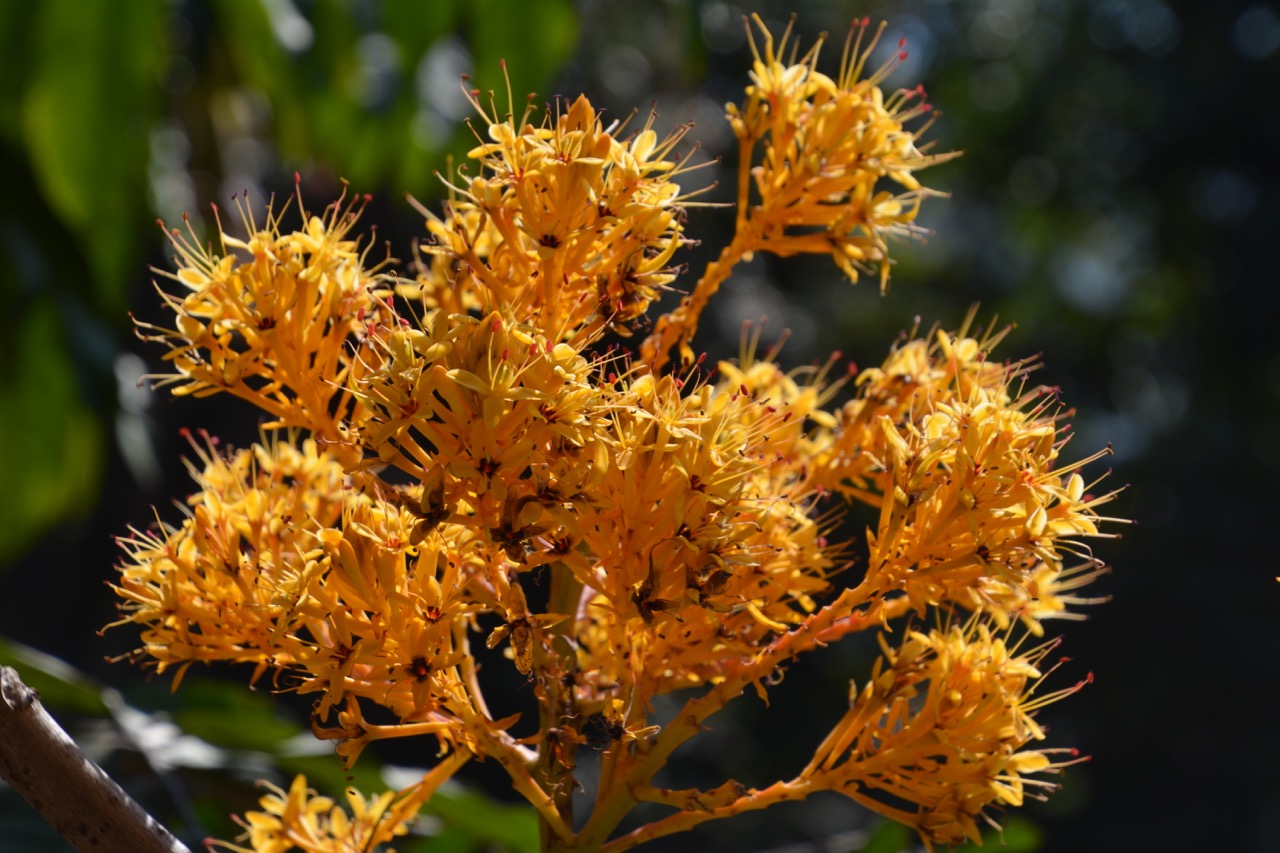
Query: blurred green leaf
point(60, 685)
point(534, 44)
point(231, 716)
point(479, 817)
point(51, 456)
point(889, 837)
point(86, 114)
point(1019, 836)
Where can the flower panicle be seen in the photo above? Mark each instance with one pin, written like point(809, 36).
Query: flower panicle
point(475, 463)
point(567, 225)
point(946, 722)
point(268, 318)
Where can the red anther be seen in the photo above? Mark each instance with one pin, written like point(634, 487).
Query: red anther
point(851, 368)
point(475, 93)
point(822, 541)
point(503, 64)
point(613, 377)
point(1088, 679)
point(297, 179)
point(773, 410)
point(368, 197)
point(787, 417)
point(497, 325)
point(360, 315)
point(404, 322)
point(504, 353)
point(1066, 659)
point(679, 383)
point(185, 433)
point(548, 346)
point(1075, 753)
point(865, 22)
point(902, 57)
point(902, 42)
point(743, 388)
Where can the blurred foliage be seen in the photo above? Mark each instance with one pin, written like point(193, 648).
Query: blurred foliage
point(205, 738)
point(122, 113)
point(1115, 200)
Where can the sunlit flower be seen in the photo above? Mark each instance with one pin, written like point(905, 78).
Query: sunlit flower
point(974, 504)
point(230, 582)
point(493, 419)
point(946, 722)
point(830, 151)
point(826, 146)
point(301, 819)
point(454, 457)
point(566, 222)
point(269, 318)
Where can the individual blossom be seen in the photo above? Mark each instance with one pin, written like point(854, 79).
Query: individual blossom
point(947, 723)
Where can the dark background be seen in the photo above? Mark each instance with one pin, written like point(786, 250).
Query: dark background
point(1116, 200)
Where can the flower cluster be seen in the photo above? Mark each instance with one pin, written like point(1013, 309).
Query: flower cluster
point(943, 722)
point(461, 457)
point(565, 224)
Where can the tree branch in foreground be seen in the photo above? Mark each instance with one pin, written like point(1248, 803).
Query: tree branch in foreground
point(73, 794)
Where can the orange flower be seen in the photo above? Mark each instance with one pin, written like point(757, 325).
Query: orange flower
point(827, 144)
point(974, 507)
point(230, 582)
point(944, 722)
point(272, 325)
point(566, 223)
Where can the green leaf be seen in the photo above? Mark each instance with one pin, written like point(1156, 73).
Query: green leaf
point(1019, 836)
point(60, 685)
point(533, 44)
point(51, 447)
point(232, 716)
point(889, 837)
point(86, 114)
point(477, 816)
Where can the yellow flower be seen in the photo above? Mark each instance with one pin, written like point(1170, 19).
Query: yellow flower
point(489, 414)
point(945, 723)
point(565, 224)
point(269, 319)
point(230, 582)
point(974, 507)
point(827, 144)
point(702, 552)
point(301, 819)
